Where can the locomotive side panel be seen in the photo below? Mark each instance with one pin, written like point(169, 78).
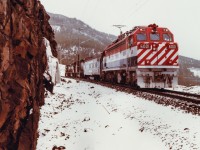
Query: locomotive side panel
point(121, 56)
point(120, 60)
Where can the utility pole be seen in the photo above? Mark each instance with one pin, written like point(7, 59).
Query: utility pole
point(79, 29)
point(59, 56)
point(78, 61)
point(119, 26)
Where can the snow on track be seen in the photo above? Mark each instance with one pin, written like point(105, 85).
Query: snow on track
point(86, 116)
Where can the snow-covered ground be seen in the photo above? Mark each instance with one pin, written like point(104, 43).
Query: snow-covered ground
point(86, 116)
point(62, 70)
point(189, 89)
point(196, 71)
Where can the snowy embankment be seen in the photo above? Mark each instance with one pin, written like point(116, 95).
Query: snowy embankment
point(189, 89)
point(196, 71)
point(86, 116)
point(52, 70)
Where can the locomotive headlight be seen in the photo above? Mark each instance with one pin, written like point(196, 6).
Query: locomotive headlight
point(165, 30)
point(142, 29)
point(155, 46)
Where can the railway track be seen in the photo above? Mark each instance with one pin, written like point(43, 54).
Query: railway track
point(183, 96)
point(188, 102)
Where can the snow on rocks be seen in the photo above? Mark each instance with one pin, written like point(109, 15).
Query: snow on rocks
point(190, 89)
point(86, 116)
point(53, 65)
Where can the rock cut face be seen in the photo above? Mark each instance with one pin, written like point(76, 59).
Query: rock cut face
point(23, 27)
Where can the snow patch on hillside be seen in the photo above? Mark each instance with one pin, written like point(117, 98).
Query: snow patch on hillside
point(56, 28)
point(196, 71)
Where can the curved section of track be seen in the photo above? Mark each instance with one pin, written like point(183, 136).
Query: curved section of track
point(186, 101)
point(183, 96)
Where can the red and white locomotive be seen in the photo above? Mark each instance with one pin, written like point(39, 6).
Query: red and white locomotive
point(146, 57)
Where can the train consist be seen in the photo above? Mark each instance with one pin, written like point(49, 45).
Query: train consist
point(145, 57)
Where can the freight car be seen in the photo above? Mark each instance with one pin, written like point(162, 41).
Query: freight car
point(69, 70)
point(145, 57)
point(75, 69)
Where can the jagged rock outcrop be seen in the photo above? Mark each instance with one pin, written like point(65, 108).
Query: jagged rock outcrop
point(23, 26)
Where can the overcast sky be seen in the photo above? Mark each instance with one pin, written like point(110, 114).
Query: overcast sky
point(182, 17)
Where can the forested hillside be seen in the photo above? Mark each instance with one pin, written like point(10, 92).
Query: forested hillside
point(75, 37)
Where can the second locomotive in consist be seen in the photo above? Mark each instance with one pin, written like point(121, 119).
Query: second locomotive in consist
point(145, 57)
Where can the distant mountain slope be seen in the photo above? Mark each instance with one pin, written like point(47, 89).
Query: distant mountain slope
point(71, 32)
point(186, 77)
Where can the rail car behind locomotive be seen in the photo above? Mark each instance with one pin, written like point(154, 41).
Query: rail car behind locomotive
point(146, 56)
point(91, 67)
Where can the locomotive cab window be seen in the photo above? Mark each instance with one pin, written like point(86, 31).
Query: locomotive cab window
point(167, 37)
point(141, 36)
point(154, 36)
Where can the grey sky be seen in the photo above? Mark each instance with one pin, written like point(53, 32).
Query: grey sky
point(180, 16)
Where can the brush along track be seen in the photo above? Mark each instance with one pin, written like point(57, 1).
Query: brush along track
point(188, 102)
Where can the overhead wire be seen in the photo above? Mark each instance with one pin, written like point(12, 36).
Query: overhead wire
point(94, 9)
point(140, 5)
point(132, 6)
point(85, 8)
point(129, 11)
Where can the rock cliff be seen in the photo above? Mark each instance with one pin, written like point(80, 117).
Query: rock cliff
point(23, 27)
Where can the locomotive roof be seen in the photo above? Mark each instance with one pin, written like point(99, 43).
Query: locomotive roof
point(90, 58)
point(123, 36)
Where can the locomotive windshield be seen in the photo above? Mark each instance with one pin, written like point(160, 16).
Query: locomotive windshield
point(154, 36)
point(141, 36)
point(167, 37)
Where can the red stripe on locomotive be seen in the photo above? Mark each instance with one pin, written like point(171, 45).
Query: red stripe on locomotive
point(160, 51)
